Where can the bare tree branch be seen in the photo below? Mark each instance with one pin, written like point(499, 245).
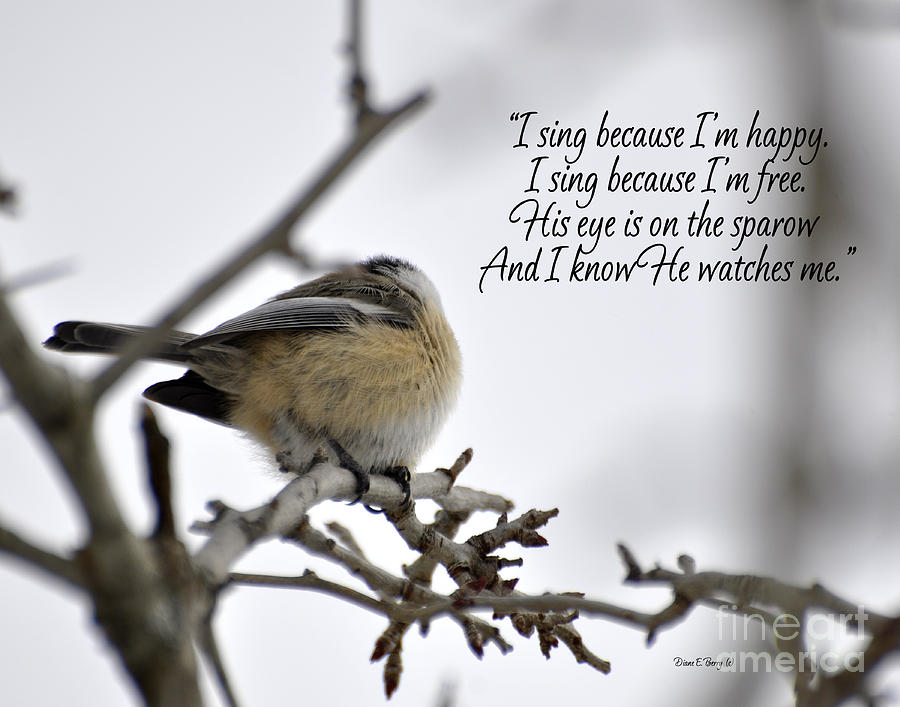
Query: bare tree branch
point(60, 407)
point(746, 591)
point(210, 648)
point(550, 615)
point(8, 197)
point(156, 447)
point(369, 125)
point(271, 239)
point(137, 583)
point(37, 276)
point(841, 686)
point(232, 533)
point(358, 84)
point(401, 614)
point(50, 563)
point(748, 594)
point(120, 572)
point(310, 580)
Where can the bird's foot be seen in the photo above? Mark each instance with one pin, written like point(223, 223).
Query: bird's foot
point(350, 464)
point(401, 476)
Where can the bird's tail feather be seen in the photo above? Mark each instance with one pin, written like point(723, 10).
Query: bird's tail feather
point(97, 337)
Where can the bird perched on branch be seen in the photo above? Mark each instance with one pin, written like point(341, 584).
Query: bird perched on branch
point(359, 363)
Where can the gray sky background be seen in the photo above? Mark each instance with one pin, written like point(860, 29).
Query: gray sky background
point(752, 426)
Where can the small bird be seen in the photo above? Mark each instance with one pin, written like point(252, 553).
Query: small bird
point(359, 364)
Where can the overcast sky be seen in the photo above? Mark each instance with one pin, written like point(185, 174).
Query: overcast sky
point(751, 425)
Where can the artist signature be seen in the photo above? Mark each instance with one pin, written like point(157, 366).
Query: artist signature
point(703, 662)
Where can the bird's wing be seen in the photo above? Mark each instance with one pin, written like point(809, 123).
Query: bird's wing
point(302, 313)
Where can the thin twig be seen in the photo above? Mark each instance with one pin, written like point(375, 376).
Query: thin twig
point(8, 198)
point(54, 565)
point(210, 648)
point(413, 594)
point(345, 537)
point(310, 580)
point(377, 579)
point(746, 589)
point(358, 84)
point(37, 276)
point(439, 605)
point(156, 448)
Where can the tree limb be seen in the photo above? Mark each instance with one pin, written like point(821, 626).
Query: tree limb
point(59, 406)
point(50, 563)
point(271, 239)
point(231, 533)
point(156, 449)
